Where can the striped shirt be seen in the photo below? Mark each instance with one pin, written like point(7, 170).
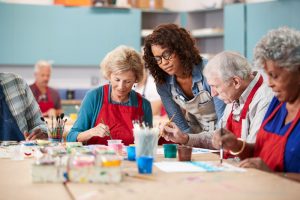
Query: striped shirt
point(21, 103)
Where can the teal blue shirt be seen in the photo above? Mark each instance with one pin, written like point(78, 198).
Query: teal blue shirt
point(91, 105)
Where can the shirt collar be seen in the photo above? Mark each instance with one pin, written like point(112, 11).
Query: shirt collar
point(247, 91)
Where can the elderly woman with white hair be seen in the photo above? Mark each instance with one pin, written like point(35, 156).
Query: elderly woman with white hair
point(114, 106)
point(277, 146)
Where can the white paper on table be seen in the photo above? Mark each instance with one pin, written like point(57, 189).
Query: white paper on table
point(160, 151)
point(198, 166)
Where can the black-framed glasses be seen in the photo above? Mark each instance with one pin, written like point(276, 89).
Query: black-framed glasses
point(167, 55)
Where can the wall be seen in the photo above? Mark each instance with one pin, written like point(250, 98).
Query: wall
point(85, 77)
point(67, 35)
point(245, 24)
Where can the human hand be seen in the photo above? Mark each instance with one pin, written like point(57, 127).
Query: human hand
point(228, 139)
point(171, 132)
point(36, 134)
point(101, 130)
point(256, 163)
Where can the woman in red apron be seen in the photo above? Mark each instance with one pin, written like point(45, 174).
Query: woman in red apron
point(111, 109)
point(277, 147)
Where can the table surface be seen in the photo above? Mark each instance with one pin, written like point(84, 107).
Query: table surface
point(15, 183)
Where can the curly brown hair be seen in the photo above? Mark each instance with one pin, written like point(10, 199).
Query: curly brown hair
point(176, 39)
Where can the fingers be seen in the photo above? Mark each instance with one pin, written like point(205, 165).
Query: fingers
point(26, 135)
point(250, 163)
point(101, 130)
point(36, 134)
point(256, 163)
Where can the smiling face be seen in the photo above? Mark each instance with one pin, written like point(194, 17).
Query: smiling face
point(167, 60)
point(285, 84)
point(122, 83)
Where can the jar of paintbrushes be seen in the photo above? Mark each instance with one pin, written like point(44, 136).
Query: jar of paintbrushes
point(145, 140)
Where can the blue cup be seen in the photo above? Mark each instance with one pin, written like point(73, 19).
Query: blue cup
point(131, 153)
point(144, 164)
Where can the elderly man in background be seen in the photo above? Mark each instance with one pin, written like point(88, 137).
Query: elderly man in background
point(247, 97)
point(19, 113)
point(47, 97)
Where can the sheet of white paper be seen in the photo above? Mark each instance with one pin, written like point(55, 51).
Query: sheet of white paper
point(196, 167)
point(160, 151)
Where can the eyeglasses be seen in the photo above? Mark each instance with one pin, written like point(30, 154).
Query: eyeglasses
point(167, 55)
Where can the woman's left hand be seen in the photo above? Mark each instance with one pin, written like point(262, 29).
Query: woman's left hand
point(257, 163)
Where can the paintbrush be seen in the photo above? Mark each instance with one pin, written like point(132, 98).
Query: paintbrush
point(107, 132)
point(161, 133)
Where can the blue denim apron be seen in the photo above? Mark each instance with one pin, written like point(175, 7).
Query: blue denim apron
point(9, 129)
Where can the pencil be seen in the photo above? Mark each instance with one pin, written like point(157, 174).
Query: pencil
point(221, 148)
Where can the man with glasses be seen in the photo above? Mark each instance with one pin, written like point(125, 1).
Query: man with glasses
point(174, 62)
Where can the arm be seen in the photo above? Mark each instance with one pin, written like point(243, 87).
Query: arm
point(37, 129)
point(291, 176)
point(171, 107)
point(86, 116)
point(231, 143)
point(147, 112)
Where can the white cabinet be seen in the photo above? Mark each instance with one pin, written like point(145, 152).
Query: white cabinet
point(153, 18)
point(206, 26)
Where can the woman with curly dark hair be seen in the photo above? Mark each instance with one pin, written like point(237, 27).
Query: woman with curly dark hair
point(176, 65)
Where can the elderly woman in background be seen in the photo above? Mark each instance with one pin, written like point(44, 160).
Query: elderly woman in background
point(112, 108)
point(174, 61)
point(277, 147)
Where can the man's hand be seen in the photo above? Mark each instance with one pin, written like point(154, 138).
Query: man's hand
point(36, 134)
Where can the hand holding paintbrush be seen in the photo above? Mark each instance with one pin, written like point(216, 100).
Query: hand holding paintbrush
point(167, 124)
point(106, 132)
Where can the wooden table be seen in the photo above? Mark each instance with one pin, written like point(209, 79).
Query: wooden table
point(15, 183)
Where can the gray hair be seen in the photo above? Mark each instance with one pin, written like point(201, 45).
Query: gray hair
point(228, 64)
point(280, 45)
point(123, 59)
point(42, 64)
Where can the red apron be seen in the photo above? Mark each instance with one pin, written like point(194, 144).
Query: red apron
point(270, 147)
point(236, 126)
point(118, 118)
point(46, 105)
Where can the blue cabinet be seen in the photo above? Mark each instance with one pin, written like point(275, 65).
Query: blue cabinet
point(67, 35)
point(245, 24)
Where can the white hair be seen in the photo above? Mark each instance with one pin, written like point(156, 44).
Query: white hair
point(228, 64)
point(42, 64)
point(121, 59)
point(280, 45)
